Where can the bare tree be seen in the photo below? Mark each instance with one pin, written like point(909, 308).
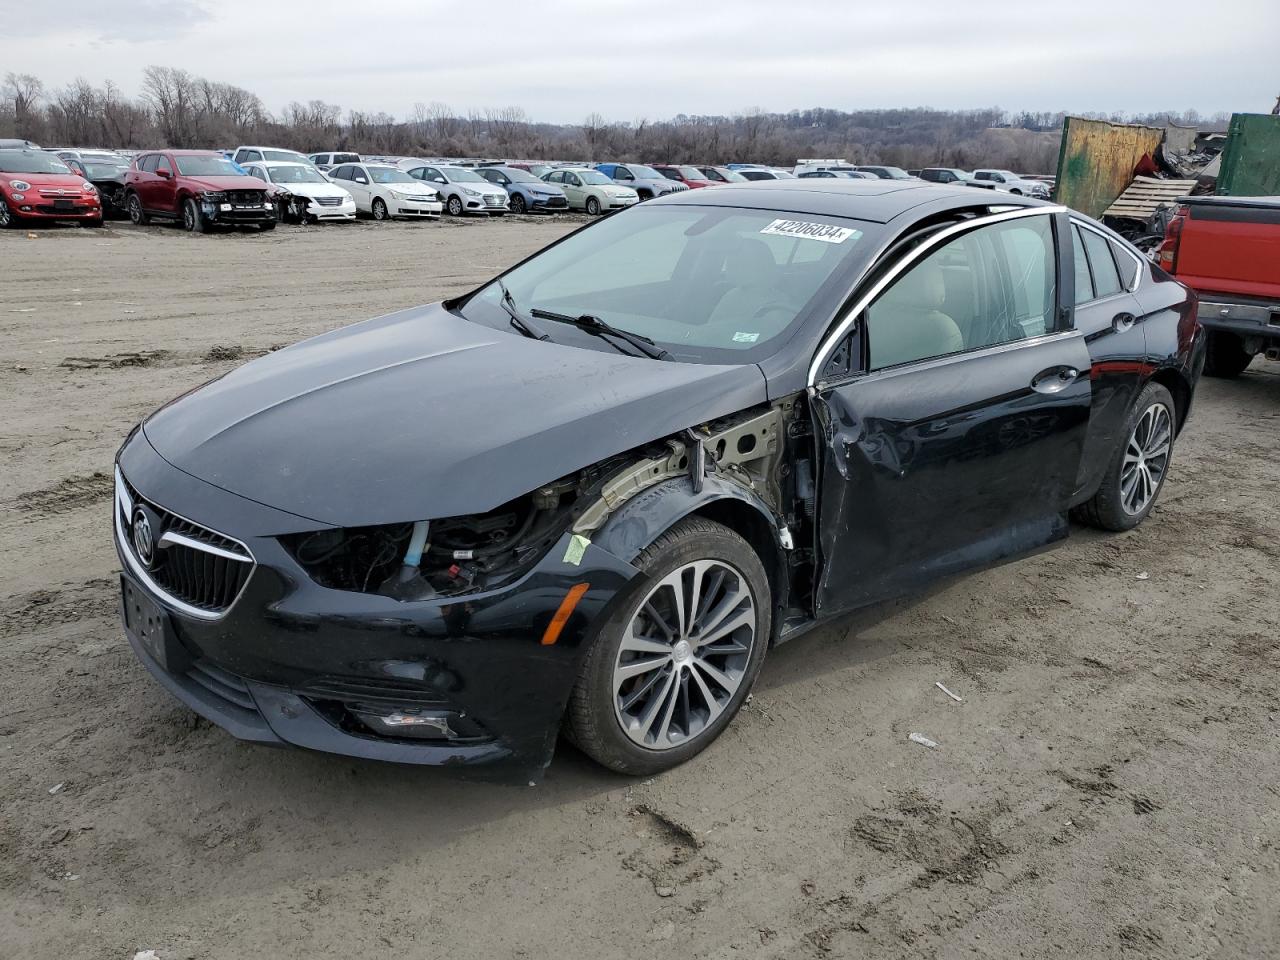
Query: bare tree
point(25, 92)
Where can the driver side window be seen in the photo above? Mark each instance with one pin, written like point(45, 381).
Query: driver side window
point(992, 285)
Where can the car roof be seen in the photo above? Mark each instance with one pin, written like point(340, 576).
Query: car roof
point(279, 163)
point(188, 153)
point(877, 201)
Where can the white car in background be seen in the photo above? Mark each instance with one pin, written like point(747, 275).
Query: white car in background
point(1012, 183)
point(461, 188)
point(327, 161)
point(590, 190)
point(325, 200)
point(384, 191)
point(253, 154)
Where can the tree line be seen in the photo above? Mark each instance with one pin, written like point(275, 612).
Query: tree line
point(178, 109)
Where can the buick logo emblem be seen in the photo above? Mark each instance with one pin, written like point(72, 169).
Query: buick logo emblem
point(144, 540)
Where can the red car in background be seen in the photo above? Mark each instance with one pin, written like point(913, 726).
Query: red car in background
point(682, 173)
point(199, 188)
point(35, 185)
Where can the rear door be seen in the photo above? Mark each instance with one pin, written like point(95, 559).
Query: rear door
point(952, 417)
point(164, 187)
point(1111, 320)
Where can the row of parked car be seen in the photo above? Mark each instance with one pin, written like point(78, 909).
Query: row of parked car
point(260, 185)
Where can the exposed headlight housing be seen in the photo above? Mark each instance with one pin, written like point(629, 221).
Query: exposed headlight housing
point(214, 196)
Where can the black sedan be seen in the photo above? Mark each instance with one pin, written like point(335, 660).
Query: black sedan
point(590, 495)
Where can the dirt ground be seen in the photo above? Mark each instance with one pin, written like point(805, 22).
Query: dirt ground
point(1110, 785)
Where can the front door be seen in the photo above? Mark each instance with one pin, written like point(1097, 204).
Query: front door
point(954, 439)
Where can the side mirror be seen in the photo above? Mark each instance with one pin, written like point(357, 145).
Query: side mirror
point(166, 174)
point(361, 180)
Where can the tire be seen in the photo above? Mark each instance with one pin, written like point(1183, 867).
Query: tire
point(593, 207)
point(1112, 507)
point(1225, 355)
point(681, 722)
point(266, 226)
point(379, 210)
point(136, 213)
point(644, 195)
point(192, 219)
point(454, 206)
point(518, 205)
point(8, 219)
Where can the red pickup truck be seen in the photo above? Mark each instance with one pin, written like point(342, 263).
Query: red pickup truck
point(1228, 250)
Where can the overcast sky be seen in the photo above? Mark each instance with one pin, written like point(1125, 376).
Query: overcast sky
point(562, 59)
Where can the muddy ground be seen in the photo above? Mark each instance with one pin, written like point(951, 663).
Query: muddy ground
point(1109, 787)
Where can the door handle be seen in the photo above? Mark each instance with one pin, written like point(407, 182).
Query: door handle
point(1123, 322)
point(1054, 379)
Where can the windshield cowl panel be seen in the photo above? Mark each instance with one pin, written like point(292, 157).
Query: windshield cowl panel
point(707, 284)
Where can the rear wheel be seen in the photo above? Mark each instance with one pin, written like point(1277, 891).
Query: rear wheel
point(1225, 355)
point(136, 213)
point(379, 209)
point(593, 207)
point(667, 671)
point(1139, 467)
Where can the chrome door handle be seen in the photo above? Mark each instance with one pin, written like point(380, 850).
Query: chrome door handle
point(1054, 380)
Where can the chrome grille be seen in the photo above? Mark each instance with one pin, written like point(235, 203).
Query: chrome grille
point(246, 196)
point(329, 201)
point(198, 570)
point(491, 201)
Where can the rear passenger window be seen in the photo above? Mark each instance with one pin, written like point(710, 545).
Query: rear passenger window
point(1084, 281)
point(148, 164)
point(990, 286)
point(1106, 279)
point(1125, 263)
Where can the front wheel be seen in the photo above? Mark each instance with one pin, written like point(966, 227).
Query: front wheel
point(518, 205)
point(7, 217)
point(136, 213)
point(1225, 355)
point(593, 207)
point(380, 211)
point(1139, 467)
point(192, 219)
point(670, 667)
point(455, 206)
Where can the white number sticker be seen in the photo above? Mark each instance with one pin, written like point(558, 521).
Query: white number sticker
point(826, 232)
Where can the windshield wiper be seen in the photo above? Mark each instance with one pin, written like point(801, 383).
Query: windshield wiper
point(594, 325)
point(517, 321)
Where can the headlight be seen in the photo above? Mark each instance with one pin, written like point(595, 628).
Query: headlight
point(471, 193)
point(19, 184)
point(88, 187)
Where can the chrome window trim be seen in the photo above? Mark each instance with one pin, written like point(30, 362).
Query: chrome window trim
point(1114, 238)
point(841, 329)
point(123, 500)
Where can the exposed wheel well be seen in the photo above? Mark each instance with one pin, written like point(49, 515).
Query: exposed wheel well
point(1176, 384)
point(752, 526)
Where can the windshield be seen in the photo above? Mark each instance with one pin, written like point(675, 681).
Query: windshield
point(30, 161)
point(294, 175)
point(592, 176)
point(390, 175)
point(208, 167)
point(540, 169)
point(462, 175)
point(691, 173)
point(730, 176)
point(645, 173)
point(105, 171)
point(287, 155)
point(519, 176)
point(710, 284)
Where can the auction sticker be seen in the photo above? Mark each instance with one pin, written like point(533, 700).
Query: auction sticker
point(826, 232)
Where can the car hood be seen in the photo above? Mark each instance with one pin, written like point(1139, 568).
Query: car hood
point(227, 183)
point(422, 414)
point(542, 187)
point(313, 190)
point(45, 179)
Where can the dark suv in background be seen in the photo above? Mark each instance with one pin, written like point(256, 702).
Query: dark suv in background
point(200, 188)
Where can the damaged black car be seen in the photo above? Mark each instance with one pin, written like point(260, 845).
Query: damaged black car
point(589, 496)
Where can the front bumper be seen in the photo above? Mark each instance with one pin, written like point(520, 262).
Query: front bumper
point(237, 213)
point(620, 203)
point(548, 203)
point(323, 211)
point(1259, 321)
point(289, 660)
point(415, 208)
point(60, 208)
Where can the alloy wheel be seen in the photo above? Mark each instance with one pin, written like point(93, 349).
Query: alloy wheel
point(684, 654)
point(6, 218)
point(455, 207)
point(1146, 458)
point(135, 209)
point(379, 210)
point(189, 215)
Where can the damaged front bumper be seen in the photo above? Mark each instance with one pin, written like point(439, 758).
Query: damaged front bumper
point(462, 681)
point(232, 212)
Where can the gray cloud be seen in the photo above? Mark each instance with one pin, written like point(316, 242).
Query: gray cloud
point(129, 22)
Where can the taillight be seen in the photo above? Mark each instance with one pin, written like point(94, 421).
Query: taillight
point(1167, 255)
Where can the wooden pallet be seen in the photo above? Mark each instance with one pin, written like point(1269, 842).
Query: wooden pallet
point(1142, 197)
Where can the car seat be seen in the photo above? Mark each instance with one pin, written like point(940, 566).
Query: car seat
point(906, 323)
